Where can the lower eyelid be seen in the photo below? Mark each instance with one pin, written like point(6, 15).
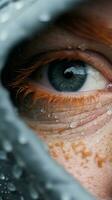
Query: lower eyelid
point(79, 99)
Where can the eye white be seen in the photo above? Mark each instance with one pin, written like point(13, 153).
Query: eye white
point(95, 80)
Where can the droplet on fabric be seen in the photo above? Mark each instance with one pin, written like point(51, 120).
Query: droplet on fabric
point(17, 171)
point(45, 18)
point(5, 17)
point(3, 36)
point(33, 193)
point(3, 155)
point(7, 146)
point(2, 176)
point(22, 139)
point(11, 187)
point(19, 5)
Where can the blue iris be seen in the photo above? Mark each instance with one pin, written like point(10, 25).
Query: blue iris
point(67, 76)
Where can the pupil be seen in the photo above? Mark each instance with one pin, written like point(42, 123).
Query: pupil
point(67, 76)
point(68, 73)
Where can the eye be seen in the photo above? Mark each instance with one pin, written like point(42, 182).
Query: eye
point(69, 76)
point(62, 76)
point(72, 71)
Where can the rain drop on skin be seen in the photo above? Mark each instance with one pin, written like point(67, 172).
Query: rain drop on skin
point(42, 110)
point(82, 47)
point(49, 115)
point(109, 112)
point(71, 125)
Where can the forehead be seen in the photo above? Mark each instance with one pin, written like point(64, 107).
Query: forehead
point(97, 10)
point(90, 20)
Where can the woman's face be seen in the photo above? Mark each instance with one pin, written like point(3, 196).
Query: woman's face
point(65, 93)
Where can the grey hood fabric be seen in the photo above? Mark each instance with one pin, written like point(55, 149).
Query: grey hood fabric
point(25, 173)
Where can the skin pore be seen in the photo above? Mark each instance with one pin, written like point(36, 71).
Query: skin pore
point(77, 126)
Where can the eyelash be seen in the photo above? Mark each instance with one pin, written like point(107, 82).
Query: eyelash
point(24, 86)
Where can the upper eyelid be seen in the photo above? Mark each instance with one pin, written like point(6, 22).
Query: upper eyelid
point(47, 57)
point(70, 53)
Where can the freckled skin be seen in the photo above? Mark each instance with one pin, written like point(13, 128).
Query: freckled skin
point(84, 160)
point(84, 147)
point(87, 156)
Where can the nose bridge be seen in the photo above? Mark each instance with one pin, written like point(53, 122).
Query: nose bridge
point(18, 21)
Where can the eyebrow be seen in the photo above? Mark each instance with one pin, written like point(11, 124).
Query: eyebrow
point(87, 27)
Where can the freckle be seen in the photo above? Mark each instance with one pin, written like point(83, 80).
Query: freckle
point(82, 164)
point(53, 153)
point(67, 156)
point(85, 166)
point(100, 160)
point(86, 153)
point(50, 145)
point(110, 159)
point(59, 144)
point(78, 147)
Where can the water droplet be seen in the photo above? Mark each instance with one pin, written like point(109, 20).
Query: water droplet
point(65, 197)
point(2, 177)
point(49, 186)
point(33, 193)
point(42, 110)
point(3, 155)
point(45, 18)
point(4, 18)
point(19, 5)
point(71, 125)
point(82, 46)
point(20, 162)
point(69, 47)
point(95, 123)
point(82, 133)
point(49, 115)
point(11, 187)
point(109, 86)
point(3, 36)
point(98, 140)
point(99, 105)
point(21, 198)
point(17, 171)
point(7, 146)
point(109, 112)
point(22, 139)
point(55, 116)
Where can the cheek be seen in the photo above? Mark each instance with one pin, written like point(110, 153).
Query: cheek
point(88, 159)
point(79, 137)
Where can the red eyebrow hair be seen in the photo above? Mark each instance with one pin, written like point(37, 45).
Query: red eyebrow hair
point(87, 27)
